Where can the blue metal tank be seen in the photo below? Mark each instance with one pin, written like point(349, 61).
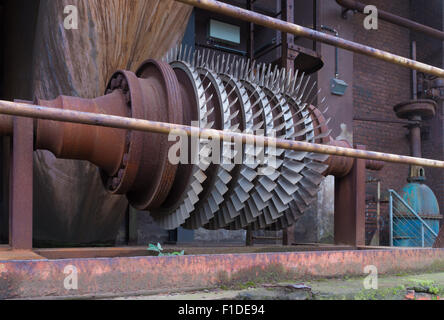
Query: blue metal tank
point(423, 201)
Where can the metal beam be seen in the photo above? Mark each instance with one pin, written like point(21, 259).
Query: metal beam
point(39, 112)
point(273, 23)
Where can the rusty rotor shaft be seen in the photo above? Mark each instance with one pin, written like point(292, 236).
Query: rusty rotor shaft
point(298, 30)
point(39, 112)
point(103, 147)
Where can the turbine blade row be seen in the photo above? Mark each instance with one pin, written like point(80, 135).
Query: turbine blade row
point(254, 187)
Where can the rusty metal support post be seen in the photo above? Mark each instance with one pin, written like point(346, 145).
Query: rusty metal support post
point(132, 227)
point(349, 220)
point(288, 236)
point(287, 38)
point(4, 184)
point(249, 238)
point(250, 6)
point(20, 218)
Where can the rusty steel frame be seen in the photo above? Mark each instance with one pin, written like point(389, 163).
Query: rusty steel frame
point(39, 112)
point(349, 214)
point(273, 23)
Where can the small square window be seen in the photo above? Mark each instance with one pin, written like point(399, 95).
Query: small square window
point(224, 32)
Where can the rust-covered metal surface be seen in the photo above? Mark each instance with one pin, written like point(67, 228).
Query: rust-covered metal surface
point(43, 278)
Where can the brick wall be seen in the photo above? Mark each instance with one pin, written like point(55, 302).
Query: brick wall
point(430, 50)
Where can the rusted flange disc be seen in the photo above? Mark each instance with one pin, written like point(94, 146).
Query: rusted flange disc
point(190, 109)
point(161, 102)
point(128, 84)
point(424, 108)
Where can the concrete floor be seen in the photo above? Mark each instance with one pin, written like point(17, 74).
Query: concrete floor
point(394, 287)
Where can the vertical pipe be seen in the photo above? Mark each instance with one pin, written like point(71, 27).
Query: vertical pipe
point(422, 235)
point(378, 210)
point(336, 33)
point(391, 217)
point(415, 139)
point(414, 73)
point(415, 130)
point(336, 63)
point(315, 23)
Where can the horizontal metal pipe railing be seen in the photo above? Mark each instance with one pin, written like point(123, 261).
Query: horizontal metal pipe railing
point(39, 112)
point(273, 23)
